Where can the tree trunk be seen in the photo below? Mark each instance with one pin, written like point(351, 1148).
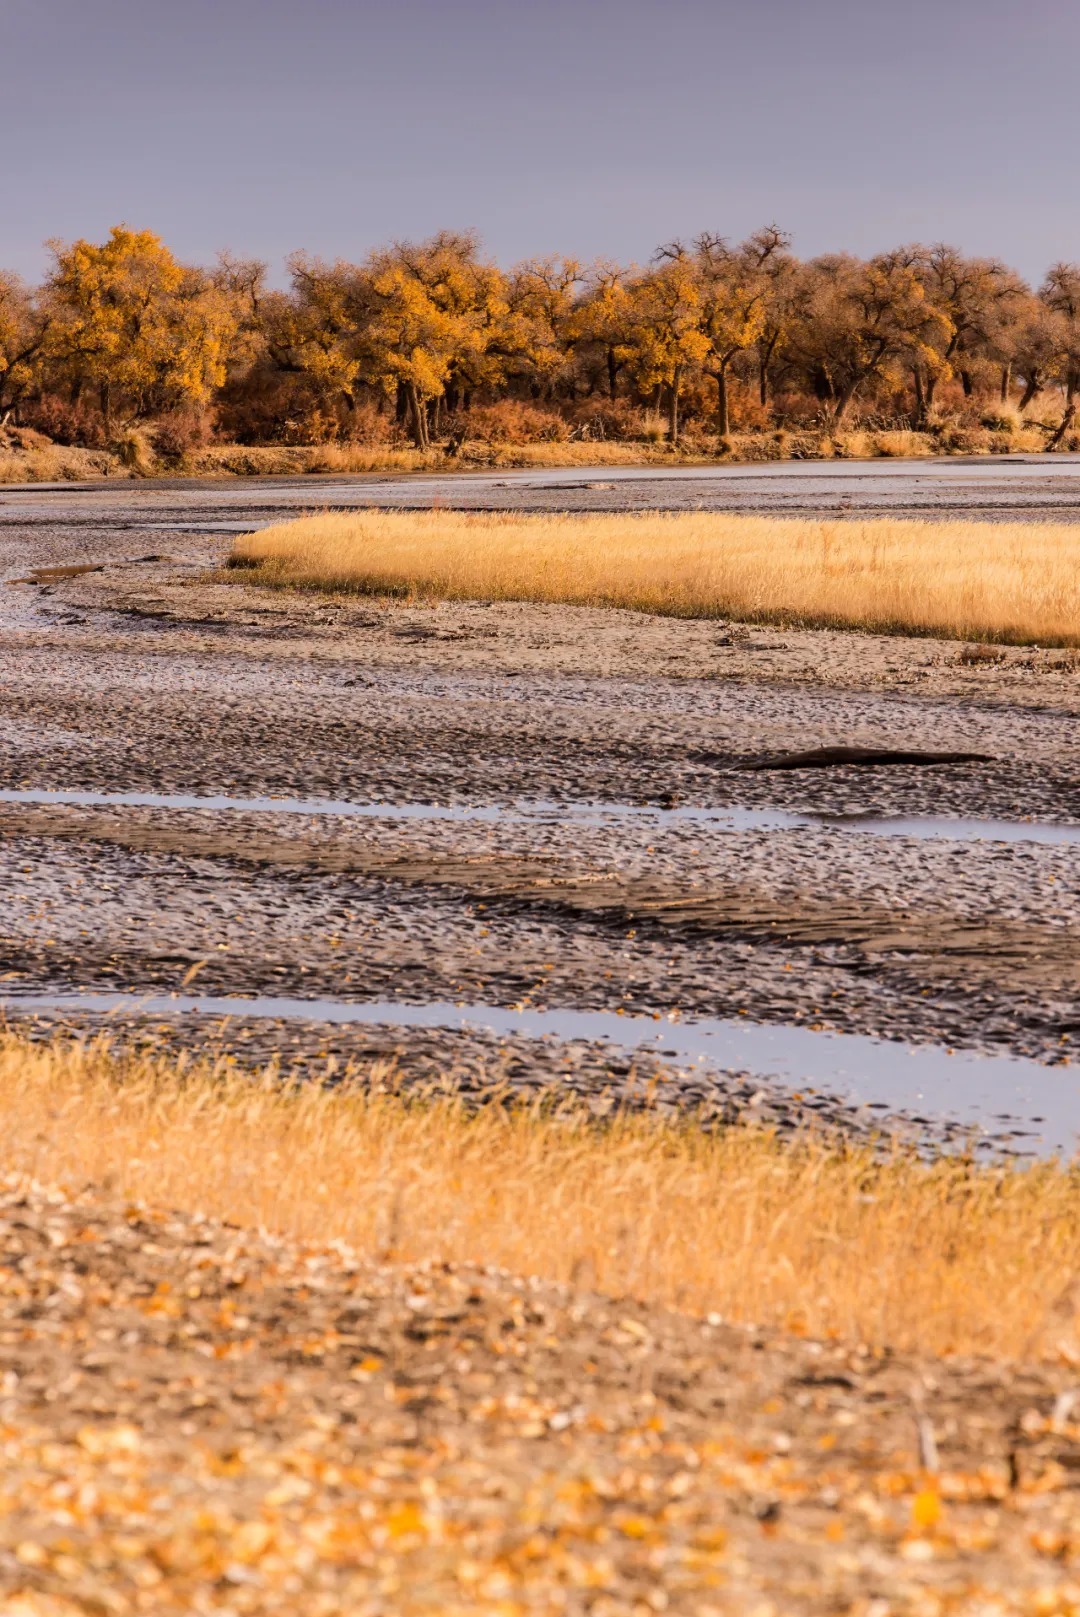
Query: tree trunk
point(612, 374)
point(436, 415)
point(1006, 381)
point(1066, 422)
point(844, 398)
point(967, 382)
point(723, 411)
point(417, 416)
point(923, 394)
point(673, 405)
point(764, 361)
point(1032, 386)
point(105, 395)
point(401, 404)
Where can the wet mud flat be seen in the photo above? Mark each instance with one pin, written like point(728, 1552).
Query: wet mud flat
point(152, 674)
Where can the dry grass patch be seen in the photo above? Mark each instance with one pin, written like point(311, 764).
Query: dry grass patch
point(357, 458)
point(812, 1237)
point(1013, 582)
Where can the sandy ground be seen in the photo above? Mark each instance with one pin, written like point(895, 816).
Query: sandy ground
point(196, 1418)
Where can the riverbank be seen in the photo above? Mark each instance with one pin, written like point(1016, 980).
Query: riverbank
point(136, 458)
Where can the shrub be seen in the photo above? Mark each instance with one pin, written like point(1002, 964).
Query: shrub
point(133, 447)
point(511, 421)
point(749, 414)
point(1001, 416)
point(599, 420)
point(366, 423)
point(65, 422)
point(181, 432)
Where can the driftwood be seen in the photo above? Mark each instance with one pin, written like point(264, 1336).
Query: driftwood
point(861, 757)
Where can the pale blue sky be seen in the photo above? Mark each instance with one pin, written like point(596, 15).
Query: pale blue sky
point(594, 127)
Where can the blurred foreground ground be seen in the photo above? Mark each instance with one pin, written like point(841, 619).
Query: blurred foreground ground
point(195, 1418)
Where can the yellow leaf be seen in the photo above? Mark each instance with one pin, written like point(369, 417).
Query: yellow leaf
point(926, 1509)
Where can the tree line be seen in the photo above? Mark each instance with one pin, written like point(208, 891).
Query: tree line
point(417, 339)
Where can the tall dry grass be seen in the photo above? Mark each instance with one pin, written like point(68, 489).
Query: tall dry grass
point(1015, 582)
point(936, 1256)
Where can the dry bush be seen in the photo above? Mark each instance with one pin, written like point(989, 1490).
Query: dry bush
point(979, 655)
point(182, 432)
point(901, 444)
point(54, 465)
point(366, 423)
point(749, 414)
point(578, 454)
point(33, 468)
point(600, 420)
point(1017, 582)
point(256, 460)
point(800, 411)
point(1001, 416)
point(894, 443)
point(12, 437)
point(63, 422)
point(265, 407)
point(814, 1237)
point(510, 421)
point(759, 447)
point(953, 438)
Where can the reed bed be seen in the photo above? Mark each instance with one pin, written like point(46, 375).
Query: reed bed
point(1010, 582)
point(809, 1236)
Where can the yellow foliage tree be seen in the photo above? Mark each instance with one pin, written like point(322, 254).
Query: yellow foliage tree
point(535, 336)
point(144, 330)
point(602, 318)
point(856, 318)
point(735, 287)
point(23, 327)
point(437, 312)
point(665, 338)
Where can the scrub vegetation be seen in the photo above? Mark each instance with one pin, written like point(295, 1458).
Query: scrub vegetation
point(432, 353)
point(1014, 582)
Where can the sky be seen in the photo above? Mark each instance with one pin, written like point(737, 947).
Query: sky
point(585, 127)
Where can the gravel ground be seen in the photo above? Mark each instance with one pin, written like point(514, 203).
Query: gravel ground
point(150, 674)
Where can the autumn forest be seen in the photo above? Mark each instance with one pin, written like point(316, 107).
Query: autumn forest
point(711, 347)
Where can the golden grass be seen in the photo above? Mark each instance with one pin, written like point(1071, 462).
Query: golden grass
point(937, 1257)
point(1015, 582)
point(350, 458)
point(51, 465)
